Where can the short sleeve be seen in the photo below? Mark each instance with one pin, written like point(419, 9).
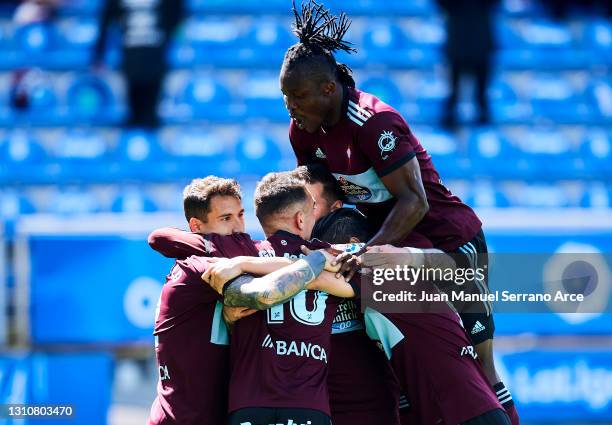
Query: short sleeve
point(188, 274)
point(386, 139)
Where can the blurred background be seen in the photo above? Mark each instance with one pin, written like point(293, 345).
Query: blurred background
point(107, 109)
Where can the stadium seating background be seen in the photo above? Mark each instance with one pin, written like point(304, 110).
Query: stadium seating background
point(79, 194)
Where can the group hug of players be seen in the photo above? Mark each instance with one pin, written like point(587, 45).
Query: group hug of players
point(271, 332)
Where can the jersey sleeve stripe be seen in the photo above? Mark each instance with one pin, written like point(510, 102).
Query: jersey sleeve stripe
point(354, 118)
point(360, 109)
point(396, 164)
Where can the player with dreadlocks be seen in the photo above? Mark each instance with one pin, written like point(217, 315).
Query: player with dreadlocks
point(378, 162)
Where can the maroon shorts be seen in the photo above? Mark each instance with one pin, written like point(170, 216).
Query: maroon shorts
point(362, 386)
point(436, 366)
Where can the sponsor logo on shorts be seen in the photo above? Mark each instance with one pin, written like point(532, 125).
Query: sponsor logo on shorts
point(478, 327)
point(294, 348)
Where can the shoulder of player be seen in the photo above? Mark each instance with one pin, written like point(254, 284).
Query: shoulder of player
point(193, 265)
point(376, 120)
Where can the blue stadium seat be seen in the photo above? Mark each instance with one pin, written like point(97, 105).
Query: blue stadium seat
point(81, 155)
point(133, 200)
point(599, 93)
point(596, 196)
point(551, 153)
point(81, 7)
point(265, 44)
point(485, 195)
point(35, 38)
point(263, 98)
point(72, 200)
point(138, 155)
point(598, 37)
point(23, 157)
point(37, 91)
point(90, 99)
point(385, 42)
point(12, 205)
point(491, 154)
point(449, 159)
point(206, 7)
point(75, 40)
point(388, 8)
point(534, 33)
point(521, 8)
point(257, 154)
point(542, 196)
point(138, 146)
point(208, 99)
point(425, 33)
point(384, 88)
point(195, 151)
point(596, 150)
point(555, 97)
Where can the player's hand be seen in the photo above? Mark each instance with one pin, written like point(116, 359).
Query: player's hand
point(341, 263)
point(380, 256)
point(232, 314)
point(222, 271)
point(349, 263)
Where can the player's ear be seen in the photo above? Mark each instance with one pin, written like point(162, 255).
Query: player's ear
point(329, 87)
point(195, 225)
point(354, 239)
point(336, 205)
point(299, 219)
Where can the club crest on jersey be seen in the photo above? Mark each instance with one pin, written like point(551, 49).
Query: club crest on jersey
point(386, 142)
point(354, 193)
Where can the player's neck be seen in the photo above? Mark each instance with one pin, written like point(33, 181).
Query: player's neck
point(286, 228)
point(336, 110)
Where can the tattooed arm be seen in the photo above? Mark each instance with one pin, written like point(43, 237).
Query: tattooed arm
point(275, 288)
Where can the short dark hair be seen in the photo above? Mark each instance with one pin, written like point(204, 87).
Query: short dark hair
point(276, 192)
point(318, 173)
point(340, 225)
point(320, 34)
point(197, 195)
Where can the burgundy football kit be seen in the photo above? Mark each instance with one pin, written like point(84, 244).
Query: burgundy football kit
point(362, 387)
point(372, 140)
point(191, 339)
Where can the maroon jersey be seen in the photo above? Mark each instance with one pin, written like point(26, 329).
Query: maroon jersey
point(279, 357)
point(434, 361)
point(370, 141)
point(191, 341)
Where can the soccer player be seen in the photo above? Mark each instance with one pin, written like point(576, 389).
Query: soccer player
point(380, 165)
point(431, 354)
point(190, 335)
point(362, 387)
point(322, 186)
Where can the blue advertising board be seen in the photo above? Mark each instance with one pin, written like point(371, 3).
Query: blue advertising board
point(559, 386)
point(86, 289)
point(80, 381)
point(592, 323)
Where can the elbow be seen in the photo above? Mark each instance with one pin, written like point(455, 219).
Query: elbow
point(263, 302)
point(153, 239)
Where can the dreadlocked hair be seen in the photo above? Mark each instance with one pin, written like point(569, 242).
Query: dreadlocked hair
point(320, 35)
